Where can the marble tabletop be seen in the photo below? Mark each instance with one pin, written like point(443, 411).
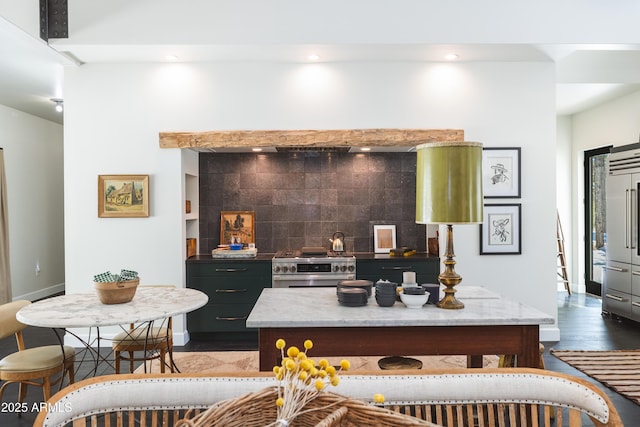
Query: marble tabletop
point(86, 310)
point(319, 307)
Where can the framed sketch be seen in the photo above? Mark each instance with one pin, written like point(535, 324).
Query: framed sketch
point(501, 172)
point(123, 196)
point(500, 232)
point(237, 227)
point(384, 238)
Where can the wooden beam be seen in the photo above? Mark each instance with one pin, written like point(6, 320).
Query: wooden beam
point(308, 138)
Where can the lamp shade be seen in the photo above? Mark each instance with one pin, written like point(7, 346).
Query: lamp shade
point(449, 183)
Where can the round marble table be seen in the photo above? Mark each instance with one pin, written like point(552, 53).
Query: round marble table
point(84, 310)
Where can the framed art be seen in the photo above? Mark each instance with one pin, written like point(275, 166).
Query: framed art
point(501, 172)
point(384, 238)
point(237, 227)
point(500, 232)
point(123, 196)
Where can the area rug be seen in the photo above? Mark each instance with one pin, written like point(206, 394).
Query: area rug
point(232, 361)
point(619, 369)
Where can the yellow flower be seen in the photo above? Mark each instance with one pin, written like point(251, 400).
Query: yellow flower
point(323, 363)
point(314, 371)
point(301, 356)
point(331, 370)
point(319, 385)
point(292, 351)
point(378, 398)
point(290, 365)
point(308, 344)
point(302, 376)
point(276, 370)
point(345, 364)
point(280, 343)
point(279, 401)
point(306, 365)
point(322, 373)
point(335, 381)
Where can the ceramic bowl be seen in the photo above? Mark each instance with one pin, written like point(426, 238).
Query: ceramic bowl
point(235, 246)
point(414, 301)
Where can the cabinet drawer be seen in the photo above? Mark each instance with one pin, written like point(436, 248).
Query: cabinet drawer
point(635, 308)
point(617, 276)
point(616, 302)
point(374, 270)
point(228, 292)
point(229, 270)
point(219, 318)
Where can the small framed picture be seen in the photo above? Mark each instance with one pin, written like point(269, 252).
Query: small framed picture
point(237, 227)
point(501, 172)
point(123, 196)
point(500, 232)
point(384, 238)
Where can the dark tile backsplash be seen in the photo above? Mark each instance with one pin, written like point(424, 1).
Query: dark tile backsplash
point(302, 198)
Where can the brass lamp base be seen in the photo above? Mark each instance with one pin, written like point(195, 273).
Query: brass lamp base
point(449, 277)
point(449, 300)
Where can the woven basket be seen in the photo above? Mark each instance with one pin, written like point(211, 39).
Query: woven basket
point(116, 292)
point(326, 410)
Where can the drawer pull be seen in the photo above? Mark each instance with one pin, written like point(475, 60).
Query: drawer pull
point(230, 270)
point(231, 319)
point(635, 304)
point(614, 297)
point(229, 291)
point(398, 268)
point(636, 273)
point(618, 269)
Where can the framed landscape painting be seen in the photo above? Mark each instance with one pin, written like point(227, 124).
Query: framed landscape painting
point(123, 196)
point(237, 227)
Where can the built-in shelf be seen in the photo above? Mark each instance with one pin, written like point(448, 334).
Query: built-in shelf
point(190, 202)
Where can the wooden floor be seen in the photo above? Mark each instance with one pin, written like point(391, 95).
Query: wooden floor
point(581, 328)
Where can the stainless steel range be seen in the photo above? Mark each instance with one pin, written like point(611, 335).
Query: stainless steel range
point(311, 267)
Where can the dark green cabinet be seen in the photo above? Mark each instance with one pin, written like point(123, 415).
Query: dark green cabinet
point(385, 267)
point(233, 288)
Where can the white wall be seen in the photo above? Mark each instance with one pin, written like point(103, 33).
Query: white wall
point(614, 123)
point(564, 199)
point(113, 114)
point(34, 170)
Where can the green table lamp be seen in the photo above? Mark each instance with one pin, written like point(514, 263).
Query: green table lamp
point(449, 191)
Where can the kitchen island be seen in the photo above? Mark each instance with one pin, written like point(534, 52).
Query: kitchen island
point(488, 325)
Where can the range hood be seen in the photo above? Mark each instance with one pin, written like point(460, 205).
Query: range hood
point(342, 140)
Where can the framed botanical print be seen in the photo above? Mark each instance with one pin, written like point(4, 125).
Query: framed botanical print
point(123, 196)
point(501, 172)
point(500, 231)
point(237, 227)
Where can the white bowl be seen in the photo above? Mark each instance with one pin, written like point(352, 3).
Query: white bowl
point(414, 301)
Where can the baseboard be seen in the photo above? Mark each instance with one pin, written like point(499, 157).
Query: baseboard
point(40, 294)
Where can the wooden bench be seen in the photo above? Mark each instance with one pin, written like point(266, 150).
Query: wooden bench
point(453, 397)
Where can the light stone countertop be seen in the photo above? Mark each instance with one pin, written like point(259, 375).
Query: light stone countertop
point(86, 310)
point(319, 307)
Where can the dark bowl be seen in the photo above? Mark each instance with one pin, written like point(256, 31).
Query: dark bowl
point(419, 290)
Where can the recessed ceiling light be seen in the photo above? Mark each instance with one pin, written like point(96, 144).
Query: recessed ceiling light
point(257, 149)
point(451, 56)
point(313, 57)
point(365, 149)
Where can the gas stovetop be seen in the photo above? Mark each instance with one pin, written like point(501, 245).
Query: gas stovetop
point(313, 253)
